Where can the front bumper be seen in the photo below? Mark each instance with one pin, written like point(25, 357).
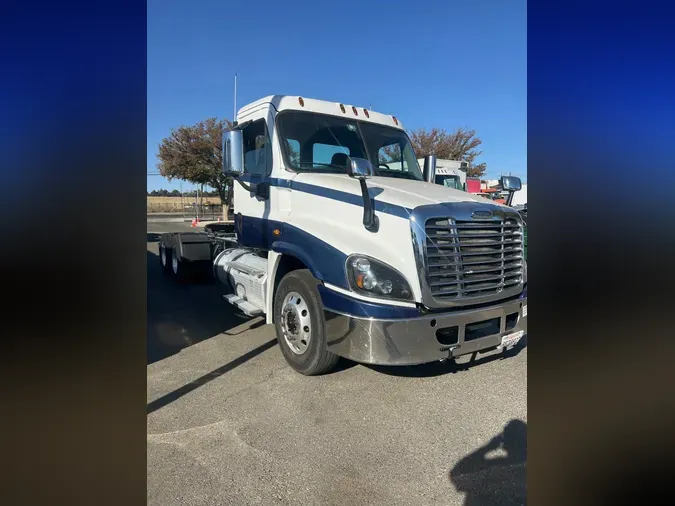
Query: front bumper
point(424, 339)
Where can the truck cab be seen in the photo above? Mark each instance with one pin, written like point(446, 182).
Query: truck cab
point(449, 173)
point(448, 179)
point(346, 248)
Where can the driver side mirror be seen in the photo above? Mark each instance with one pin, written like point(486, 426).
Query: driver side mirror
point(511, 183)
point(233, 153)
point(359, 168)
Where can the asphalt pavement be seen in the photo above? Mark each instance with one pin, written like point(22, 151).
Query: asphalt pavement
point(230, 423)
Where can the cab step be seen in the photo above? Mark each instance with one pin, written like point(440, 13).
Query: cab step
point(244, 306)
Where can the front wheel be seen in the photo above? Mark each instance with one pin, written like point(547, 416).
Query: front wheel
point(299, 322)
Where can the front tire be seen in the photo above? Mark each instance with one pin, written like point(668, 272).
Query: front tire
point(300, 325)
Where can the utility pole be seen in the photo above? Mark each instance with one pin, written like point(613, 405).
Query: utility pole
point(234, 117)
point(197, 201)
point(182, 206)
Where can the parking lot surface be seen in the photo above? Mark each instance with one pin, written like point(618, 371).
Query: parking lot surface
point(230, 423)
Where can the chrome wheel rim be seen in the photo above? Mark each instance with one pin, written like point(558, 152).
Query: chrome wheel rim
point(296, 323)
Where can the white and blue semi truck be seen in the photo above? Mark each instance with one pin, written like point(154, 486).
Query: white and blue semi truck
point(343, 242)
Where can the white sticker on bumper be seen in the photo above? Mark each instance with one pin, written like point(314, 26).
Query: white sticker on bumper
point(511, 339)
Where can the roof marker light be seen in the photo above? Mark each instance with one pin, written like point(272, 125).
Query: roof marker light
point(356, 113)
point(302, 102)
point(342, 108)
point(365, 111)
point(395, 120)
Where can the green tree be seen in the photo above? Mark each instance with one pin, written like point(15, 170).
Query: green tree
point(460, 145)
point(194, 154)
point(293, 154)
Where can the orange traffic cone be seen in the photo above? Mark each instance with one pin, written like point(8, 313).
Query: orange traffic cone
point(194, 222)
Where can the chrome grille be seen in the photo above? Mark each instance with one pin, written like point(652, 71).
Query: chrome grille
point(472, 258)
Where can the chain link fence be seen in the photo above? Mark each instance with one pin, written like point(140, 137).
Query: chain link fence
point(188, 211)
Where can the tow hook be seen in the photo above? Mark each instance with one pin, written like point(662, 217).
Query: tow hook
point(449, 349)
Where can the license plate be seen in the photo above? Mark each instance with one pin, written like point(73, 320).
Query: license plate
point(511, 339)
point(524, 310)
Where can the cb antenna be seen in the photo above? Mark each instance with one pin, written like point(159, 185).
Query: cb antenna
point(234, 118)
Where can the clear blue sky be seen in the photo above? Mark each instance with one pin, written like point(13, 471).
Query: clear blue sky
point(432, 64)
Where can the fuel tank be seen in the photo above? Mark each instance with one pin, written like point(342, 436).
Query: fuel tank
point(244, 272)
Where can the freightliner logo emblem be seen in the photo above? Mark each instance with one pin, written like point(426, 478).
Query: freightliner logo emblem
point(482, 215)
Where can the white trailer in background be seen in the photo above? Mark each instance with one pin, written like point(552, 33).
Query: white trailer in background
point(520, 197)
point(449, 173)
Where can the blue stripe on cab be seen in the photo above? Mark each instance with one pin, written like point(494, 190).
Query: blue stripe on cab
point(334, 301)
point(340, 196)
point(281, 183)
point(325, 262)
point(255, 232)
point(328, 193)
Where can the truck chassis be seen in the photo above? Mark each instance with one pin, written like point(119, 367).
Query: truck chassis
point(184, 254)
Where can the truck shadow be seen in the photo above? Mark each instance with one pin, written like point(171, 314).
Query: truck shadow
point(449, 367)
point(203, 380)
point(180, 315)
point(498, 480)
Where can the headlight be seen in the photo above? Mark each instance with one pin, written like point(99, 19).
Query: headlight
point(371, 277)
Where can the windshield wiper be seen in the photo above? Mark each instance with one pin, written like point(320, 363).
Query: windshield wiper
point(313, 164)
point(396, 174)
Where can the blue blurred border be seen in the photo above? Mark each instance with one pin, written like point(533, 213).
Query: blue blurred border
point(601, 155)
point(73, 163)
point(73, 76)
point(600, 99)
point(600, 274)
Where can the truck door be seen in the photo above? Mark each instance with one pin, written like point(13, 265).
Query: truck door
point(252, 208)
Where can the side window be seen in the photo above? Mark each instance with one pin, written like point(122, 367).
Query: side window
point(257, 149)
point(391, 156)
point(322, 154)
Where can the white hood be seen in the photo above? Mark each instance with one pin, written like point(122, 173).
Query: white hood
point(401, 192)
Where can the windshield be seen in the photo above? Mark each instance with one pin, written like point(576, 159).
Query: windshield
point(321, 143)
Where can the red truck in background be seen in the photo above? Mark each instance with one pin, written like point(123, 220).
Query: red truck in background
point(475, 186)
